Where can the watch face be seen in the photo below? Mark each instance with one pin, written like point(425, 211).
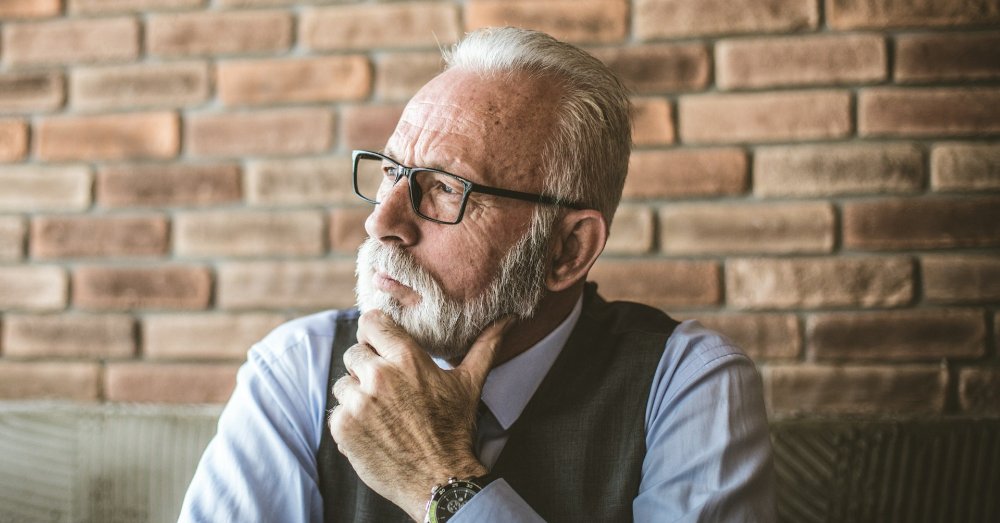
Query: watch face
point(453, 497)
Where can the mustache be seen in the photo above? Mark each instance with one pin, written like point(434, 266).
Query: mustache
point(399, 265)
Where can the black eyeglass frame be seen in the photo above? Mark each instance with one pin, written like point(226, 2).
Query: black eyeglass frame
point(470, 187)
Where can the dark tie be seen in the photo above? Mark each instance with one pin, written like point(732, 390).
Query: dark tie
point(487, 428)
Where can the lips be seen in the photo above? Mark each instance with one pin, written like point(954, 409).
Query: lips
point(386, 283)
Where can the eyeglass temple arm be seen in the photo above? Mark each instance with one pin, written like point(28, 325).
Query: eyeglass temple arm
point(525, 196)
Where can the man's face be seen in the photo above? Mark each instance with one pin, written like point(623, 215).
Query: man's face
point(444, 283)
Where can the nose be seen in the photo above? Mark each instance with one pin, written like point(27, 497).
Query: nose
point(392, 219)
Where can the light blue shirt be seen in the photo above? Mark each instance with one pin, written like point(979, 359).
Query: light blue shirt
point(708, 454)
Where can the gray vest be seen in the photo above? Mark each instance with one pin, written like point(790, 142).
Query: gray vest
point(576, 452)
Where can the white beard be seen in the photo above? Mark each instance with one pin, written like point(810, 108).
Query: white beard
point(444, 327)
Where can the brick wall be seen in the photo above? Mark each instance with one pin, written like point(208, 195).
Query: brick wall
point(819, 179)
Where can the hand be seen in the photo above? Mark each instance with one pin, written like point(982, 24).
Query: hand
point(404, 423)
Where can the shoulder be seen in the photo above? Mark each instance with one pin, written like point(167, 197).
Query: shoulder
point(692, 340)
point(694, 352)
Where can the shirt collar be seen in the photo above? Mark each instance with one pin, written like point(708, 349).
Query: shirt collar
point(510, 386)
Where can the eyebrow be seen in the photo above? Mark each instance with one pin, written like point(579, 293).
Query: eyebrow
point(386, 151)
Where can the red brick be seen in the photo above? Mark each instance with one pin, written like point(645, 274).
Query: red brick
point(855, 390)
point(411, 24)
point(170, 382)
point(679, 18)
point(347, 228)
point(681, 173)
point(71, 41)
point(31, 188)
point(12, 235)
point(368, 126)
point(659, 68)
point(714, 228)
point(850, 14)
point(67, 236)
point(29, 8)
point(13, 140)
point(150, 287)
point(762, 336)
point(631, 231)
point(118, 6)
point(652, 121)
point(965, 167)
point(398, 76)
point(947, 57)
point(260, 3)
point(770, 283)
point(979, 391)
point(801, 60)
point(31, 92)
point(108, 137)
point(69, 336)
point(567, 20)
point(308, 285)
point(204, 336)
point(152, 185)
point(765, 117)
point(32, 288)
point(49, 380)
point(328, 78)
point(928, 112)
point(301, 181)
point(157, 85)
point(660, 283)
point(922, 223)
point(248, 233)
point(279, 132)
point(961, 278)
point(923, 334)
point(830, 170)
point(218, 32)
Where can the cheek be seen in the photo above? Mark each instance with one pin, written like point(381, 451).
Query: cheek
point(465, 268)
point(466, 265)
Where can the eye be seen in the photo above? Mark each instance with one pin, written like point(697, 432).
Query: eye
point(447, 189)
point(390, 171)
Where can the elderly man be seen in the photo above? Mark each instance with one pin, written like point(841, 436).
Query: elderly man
point(483, 379)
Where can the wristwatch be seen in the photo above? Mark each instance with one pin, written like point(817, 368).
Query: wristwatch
point(446, 499)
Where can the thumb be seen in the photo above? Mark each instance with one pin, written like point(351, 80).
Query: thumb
point(479, 360)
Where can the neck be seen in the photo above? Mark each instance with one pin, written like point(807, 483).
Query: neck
point(524, 334)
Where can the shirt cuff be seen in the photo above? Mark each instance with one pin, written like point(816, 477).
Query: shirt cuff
point(496, 502)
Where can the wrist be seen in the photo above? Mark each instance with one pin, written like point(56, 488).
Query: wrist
point(447, 499)
point(440, 476)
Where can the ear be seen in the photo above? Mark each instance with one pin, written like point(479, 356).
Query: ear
point(578, 240)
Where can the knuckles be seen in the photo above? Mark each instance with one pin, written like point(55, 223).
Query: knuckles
point(353, 400)
point(356, 356)
point(378, 378)
point(338, 424)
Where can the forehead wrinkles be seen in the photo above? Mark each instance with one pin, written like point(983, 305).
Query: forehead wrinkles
point(440, 133)
point(441, 117)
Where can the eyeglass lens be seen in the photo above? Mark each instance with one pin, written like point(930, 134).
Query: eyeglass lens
point(435, 195)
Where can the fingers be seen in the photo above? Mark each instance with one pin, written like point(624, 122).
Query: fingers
point(359, 360)
point(337, 424)
point(346, 390)
point(479, 360)
point(388, 339)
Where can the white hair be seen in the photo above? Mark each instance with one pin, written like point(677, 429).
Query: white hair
point(586, 160)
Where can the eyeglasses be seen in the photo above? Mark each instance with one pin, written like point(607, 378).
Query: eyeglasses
point(435, 195)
